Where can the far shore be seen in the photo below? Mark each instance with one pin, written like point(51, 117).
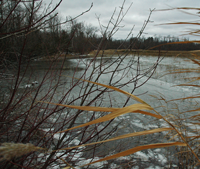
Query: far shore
point(140, 52)
point(119, 52)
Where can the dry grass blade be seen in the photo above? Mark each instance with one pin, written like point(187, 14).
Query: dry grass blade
point(192, 110)
point(195, 116)
point(193, 52)
point(196, 62)
point(122, 137)
point(185, 98)
point(196, 123)
point(188, 8)
point(102, 109)
point(139, 148)
point(182, 23)
point(188, 85)
point(183, 71)
point(193, 137)
point(194, 78)
point(184, 8)
point(114, 114)
point(147, 113)
point(116, 89)
point(173, 137)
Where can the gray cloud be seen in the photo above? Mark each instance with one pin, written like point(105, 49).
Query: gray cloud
point(137, 14)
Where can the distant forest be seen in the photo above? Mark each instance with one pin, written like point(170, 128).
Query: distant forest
point(17, 34)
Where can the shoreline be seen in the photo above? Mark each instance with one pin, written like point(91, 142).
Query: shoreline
point(112, 52)
point(150, 52)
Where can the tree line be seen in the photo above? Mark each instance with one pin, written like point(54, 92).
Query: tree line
point(22, 28)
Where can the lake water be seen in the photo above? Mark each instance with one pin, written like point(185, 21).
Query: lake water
point(63, 86)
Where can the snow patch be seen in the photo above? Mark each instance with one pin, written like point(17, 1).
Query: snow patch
point(162, 159)
point(143, 156)
point(124, 158)
point(158, 150)
point(96, 165)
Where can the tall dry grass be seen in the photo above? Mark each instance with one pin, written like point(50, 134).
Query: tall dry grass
point(187, 120)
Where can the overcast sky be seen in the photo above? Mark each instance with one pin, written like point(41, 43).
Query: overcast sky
point(136, 15)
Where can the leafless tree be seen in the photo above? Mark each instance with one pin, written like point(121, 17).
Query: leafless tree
point(24, 119)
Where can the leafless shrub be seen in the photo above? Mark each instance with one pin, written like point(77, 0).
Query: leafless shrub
point(24, 115)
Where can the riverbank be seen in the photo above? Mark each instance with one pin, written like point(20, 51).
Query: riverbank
point(141, 52)
point(195, 54)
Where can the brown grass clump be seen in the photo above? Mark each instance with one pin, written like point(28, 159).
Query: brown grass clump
point(9, 151)
point(109, 52)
